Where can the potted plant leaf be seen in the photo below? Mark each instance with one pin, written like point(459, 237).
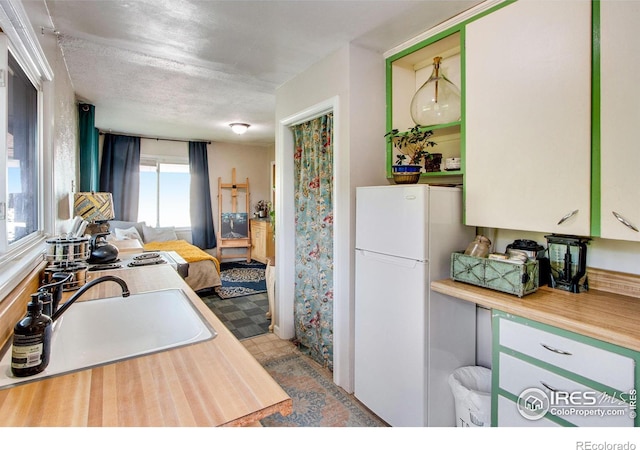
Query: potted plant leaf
point(412, 146)
point(262, 208)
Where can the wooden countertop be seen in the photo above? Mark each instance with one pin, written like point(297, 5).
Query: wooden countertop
point(598, 314)
point(212, 383)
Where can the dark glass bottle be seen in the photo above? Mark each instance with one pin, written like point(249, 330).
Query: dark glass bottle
point(31, 341)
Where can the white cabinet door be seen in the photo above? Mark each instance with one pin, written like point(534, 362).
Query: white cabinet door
point(568, 354)
point(528, 117)
point(518, 376)
point(584, 383)
point(509, 416)
point(620, 116)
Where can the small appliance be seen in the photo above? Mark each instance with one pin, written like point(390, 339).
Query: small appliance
point(534, 251)
point(101, 251)
point(568, 262)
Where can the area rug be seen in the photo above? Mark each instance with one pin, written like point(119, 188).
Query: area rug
point(241, 278)
point(317, 401)
point(245, 316)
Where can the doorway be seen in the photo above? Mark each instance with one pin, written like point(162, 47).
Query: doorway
point(285, 240)
point(313, 204)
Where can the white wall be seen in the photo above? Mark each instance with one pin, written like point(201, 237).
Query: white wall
point(60, 122)
point(351, 82)
point(619, 256)
point(253, 162)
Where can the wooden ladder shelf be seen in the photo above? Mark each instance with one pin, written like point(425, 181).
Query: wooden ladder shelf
point(233, 228)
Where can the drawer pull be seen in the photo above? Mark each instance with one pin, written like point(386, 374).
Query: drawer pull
point(624, 221)
point(555, 350)
point(548, 387)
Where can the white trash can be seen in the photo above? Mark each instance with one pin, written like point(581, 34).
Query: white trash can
point(471, 387)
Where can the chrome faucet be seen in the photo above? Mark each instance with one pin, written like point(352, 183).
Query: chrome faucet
point(86, 287)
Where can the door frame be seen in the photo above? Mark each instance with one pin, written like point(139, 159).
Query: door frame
point(285, 238)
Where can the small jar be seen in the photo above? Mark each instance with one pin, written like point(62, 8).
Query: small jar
point(479, 247)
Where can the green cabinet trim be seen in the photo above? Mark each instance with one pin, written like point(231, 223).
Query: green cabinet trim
point(571, 335)
point(498, 349)
point(389, 96)
point(495, 365)
point(508, 395)
point(458, 28)
point(596, 214)
point(596, 183)
point(560, 371)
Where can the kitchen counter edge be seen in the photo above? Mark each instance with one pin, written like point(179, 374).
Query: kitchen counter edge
point(602, 315)
point(212, 383)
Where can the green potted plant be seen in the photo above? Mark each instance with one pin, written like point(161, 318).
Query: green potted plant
point(412, 146)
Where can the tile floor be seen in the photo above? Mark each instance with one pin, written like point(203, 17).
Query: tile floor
point(243, 316)
point(268, 346)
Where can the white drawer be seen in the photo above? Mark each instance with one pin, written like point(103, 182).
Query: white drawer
point(508, 416)
point(608, 368)
point(516, 376)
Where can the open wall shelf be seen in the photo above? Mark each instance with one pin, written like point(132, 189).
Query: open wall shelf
point(406, 73)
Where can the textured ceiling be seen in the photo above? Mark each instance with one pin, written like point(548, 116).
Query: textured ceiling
point(186, 69)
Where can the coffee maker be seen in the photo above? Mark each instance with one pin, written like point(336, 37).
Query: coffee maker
point(568, 262)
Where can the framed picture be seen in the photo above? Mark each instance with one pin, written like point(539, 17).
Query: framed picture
point(234, 226)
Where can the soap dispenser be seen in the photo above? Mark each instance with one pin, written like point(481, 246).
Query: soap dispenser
point(31, 340)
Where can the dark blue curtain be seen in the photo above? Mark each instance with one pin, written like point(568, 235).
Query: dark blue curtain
point(120, 174)
point(202, 232)
point(88, 148)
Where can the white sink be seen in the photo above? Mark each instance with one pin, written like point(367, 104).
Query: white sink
point(97, 332)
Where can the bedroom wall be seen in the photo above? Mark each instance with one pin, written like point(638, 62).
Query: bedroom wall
point(253, 162)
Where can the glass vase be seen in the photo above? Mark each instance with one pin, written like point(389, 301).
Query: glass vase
point(437, 101)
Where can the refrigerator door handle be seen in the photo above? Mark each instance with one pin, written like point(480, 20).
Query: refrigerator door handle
point(405, 262)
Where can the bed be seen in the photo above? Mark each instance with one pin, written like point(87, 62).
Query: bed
point(204, 269)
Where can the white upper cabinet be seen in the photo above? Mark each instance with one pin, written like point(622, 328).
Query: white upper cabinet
point(528, 117)
point(619, 120)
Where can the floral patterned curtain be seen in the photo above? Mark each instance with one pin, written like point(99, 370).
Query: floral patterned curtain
point(313, 175)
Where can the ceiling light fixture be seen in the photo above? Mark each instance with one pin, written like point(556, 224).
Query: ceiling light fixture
point(239, 128)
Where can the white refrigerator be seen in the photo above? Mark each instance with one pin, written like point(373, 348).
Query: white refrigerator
point(408, 339)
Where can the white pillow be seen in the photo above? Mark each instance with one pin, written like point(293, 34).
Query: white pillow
point(152, 234)
point(113, 224)
point(127, 233)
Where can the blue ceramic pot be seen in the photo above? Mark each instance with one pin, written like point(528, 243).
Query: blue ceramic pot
point(406, 168)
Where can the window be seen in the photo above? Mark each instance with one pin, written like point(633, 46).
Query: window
point(27, 209)
point(164, 193)
point(22, 155)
